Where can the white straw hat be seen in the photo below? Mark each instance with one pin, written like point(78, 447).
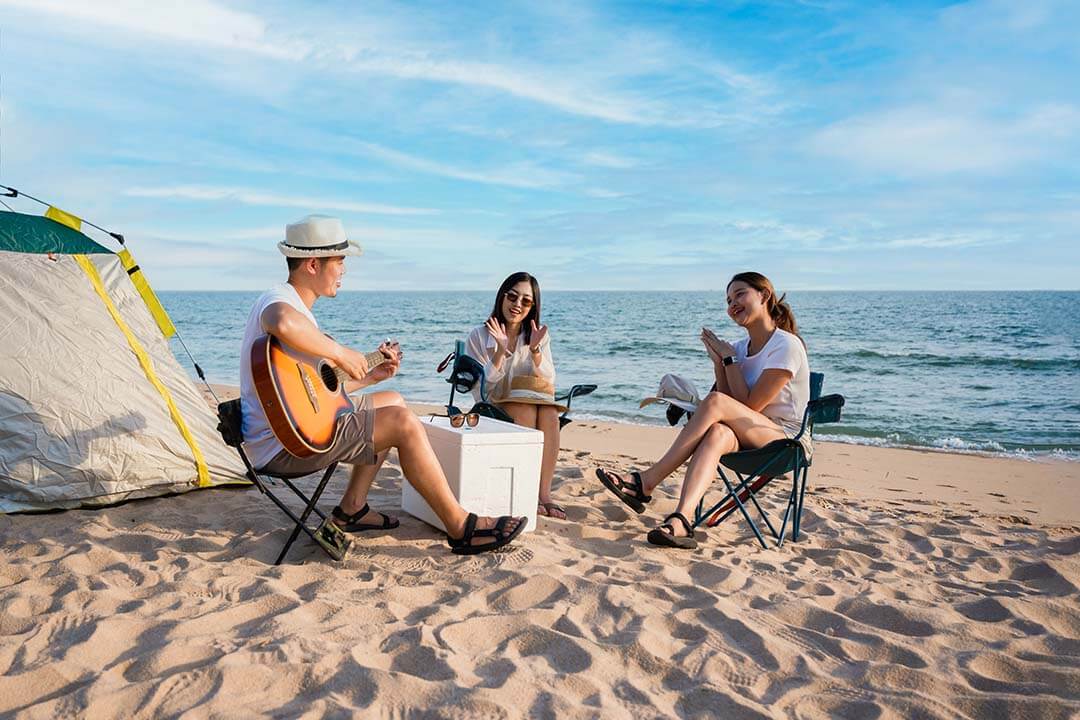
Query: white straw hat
point(675, 390)
point(317, 236)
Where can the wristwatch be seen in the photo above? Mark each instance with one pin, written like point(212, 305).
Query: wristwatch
point(730, 360)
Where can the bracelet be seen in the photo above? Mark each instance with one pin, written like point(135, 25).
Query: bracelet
point(730, 360)
point(535, 349)
point(507, 352)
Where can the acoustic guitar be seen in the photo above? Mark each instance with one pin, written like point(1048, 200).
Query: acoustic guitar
point(302, 395)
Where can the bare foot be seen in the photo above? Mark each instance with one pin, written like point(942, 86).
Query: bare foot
point(550, 509)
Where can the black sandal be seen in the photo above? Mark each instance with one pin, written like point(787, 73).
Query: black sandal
point(352, 524)
point(503, 537)
point(657, 536)
point(622, 489)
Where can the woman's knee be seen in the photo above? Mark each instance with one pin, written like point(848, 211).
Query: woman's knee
point(721, 437)
point(715, 403)
point(547, 415)
point(523, 413)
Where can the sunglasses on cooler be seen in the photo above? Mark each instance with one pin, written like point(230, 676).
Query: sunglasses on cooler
point(461, 419)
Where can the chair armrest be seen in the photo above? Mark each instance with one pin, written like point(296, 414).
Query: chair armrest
point(826, 409)
point(575, 391)
point(822, 410)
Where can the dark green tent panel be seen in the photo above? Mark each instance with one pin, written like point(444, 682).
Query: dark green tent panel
point(37, 234)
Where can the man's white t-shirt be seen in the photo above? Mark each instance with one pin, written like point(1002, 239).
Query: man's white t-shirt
point(259, 442)
point(783, 351)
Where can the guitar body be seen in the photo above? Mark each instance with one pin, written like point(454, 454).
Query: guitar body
point(302, 396)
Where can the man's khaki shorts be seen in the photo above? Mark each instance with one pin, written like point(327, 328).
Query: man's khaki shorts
point(354, 444)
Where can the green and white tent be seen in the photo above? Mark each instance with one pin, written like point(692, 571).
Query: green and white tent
point(94, 407)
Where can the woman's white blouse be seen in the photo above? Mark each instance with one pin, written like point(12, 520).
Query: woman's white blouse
point(518, 374)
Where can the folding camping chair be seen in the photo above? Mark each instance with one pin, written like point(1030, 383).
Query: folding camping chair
point(759, 467)
point(328, 536)
point(467, 372)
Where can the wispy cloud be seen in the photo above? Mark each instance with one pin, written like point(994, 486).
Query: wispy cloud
point(522, 175)
point(930, 140)
point(194, 21)
point(609, 160)
point(595, 95)
point(257, 197)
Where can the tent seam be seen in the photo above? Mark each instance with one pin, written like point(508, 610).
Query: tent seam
point(147, 366)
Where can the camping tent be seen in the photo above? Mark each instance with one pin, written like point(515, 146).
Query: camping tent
point(94, 408)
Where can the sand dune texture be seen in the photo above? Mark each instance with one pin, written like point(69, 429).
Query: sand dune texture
point(889, 607)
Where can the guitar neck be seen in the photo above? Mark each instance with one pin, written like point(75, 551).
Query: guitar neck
point(373, 359)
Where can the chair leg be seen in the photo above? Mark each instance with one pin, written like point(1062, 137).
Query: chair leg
point(802, 499)
point(302, 496)
point(793, 499)
point(742, 508)
point(300, 522)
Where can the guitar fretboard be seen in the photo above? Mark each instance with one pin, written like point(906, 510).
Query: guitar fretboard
point(374, 359)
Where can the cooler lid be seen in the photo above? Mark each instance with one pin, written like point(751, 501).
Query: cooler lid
point(487, 432)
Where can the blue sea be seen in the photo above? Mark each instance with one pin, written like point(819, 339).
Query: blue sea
point(995, 372)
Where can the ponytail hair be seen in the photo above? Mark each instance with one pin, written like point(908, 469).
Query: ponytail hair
point(777, 308)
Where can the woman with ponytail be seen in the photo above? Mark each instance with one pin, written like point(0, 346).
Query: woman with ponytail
point(762, 387)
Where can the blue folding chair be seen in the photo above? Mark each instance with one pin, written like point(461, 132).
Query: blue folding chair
point(757, 468)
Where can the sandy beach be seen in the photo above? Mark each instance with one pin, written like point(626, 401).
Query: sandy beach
point(926, 585)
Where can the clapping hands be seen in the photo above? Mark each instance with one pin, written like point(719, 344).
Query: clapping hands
point(537, 335)
point(716, 348)
point(498, 332)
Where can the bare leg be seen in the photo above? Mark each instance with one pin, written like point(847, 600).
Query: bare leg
point(397, 427)
point(547, 421)
point(363, 476)
point(719, 440)
point(751, 428)
point(524, 414)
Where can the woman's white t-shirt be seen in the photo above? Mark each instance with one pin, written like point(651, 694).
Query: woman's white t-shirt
point(783, 351)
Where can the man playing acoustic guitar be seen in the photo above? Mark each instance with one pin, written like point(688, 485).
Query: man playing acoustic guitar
point(315, 249)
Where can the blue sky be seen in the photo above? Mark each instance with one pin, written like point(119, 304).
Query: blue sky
point(666, 145)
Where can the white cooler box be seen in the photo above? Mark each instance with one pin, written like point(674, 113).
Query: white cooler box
point(493, 469)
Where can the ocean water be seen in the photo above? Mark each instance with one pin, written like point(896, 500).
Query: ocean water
point(991, 372)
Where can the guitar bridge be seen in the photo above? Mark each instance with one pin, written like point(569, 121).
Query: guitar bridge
point(308, 387)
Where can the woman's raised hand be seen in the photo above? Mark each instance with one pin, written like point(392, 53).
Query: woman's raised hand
point(718, 349)
point(498, 331)
point(707, 342)
point(537, 335)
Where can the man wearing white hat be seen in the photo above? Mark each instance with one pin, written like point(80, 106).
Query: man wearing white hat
point(315, 249)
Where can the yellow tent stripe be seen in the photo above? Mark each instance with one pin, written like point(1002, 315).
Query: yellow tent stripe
point(139, 281)
point(64, 218)
point(147, 366)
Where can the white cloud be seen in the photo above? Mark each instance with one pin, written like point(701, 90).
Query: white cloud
point(586, 91)
point(931, 140)
point(193, 21)
point(609, 160)
point(520, 176)
point(943, 240)
point(258, 197)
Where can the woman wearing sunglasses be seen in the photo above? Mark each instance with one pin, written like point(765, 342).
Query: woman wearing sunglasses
point(519, 375)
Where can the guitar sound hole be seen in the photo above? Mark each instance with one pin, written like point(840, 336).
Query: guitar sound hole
point(329, 377)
